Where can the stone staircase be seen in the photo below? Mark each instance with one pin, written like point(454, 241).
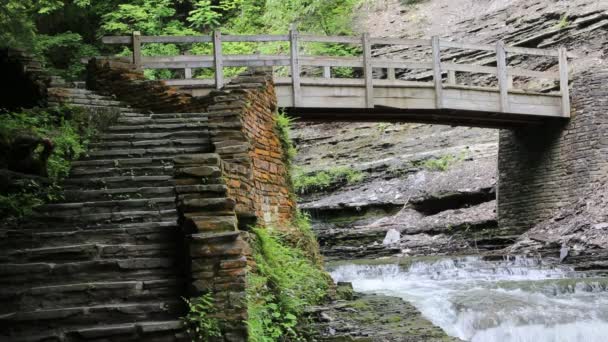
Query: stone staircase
point(107, 263)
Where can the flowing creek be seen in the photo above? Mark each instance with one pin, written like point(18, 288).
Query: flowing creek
point(481, 301)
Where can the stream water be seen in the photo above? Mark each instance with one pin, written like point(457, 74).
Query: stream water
point(517, 300)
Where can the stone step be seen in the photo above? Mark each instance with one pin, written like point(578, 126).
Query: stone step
point(21, 298)
point(111, 145)
point(124, 162)
point(117, 216)
point(117, 182)
point(92, 315)
point(192, 126)
point(74, 93)
point(45, 273)
point(41, 226)
point(160, 121)
point(157, 232)
point(120, 193)
point(86, 101)
point(90, 106)
point(179, 115)
point(144, 152)
point(88, 251)
point(199, 133)
point(107, 206)
point(153, 331)
point(87, 172)
point(70, 90)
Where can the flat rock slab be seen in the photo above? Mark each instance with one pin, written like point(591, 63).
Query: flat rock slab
point(371, 318)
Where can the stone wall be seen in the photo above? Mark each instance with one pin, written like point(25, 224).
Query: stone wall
point(242, 124)
point(545, 168)
point(218, 253)
point(108, 76)
point(244, 182)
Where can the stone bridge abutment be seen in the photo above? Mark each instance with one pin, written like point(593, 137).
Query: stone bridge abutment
point(547, 167)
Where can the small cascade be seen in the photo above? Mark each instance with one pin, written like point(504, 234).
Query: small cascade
point(516, 299)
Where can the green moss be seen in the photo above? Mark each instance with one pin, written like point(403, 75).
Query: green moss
point(563, 22)
point(326, 179)
point(284, 282)
point(440, 164)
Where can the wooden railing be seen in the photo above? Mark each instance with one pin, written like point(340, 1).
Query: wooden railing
point(296, 61)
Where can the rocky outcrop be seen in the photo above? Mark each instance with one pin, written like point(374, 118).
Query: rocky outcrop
point(394, 157)
point(427, 182)
point(373, 318)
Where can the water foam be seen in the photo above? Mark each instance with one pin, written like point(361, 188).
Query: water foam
point(517, 299)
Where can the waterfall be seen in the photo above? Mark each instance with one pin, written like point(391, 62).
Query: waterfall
point(516, 299)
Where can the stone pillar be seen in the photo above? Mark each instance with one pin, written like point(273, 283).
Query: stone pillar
point(547, 167)
point(216, 248)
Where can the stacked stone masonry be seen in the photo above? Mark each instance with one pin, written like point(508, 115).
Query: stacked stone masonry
point(546, 168)
point(243, 125)
point(149, 216)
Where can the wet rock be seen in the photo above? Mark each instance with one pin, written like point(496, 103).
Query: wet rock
point(373, 318)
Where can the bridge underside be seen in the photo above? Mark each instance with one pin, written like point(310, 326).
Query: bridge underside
point(453, 117)
point(402, 101)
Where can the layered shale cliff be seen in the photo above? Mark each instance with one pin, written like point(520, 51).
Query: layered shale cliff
point(436, 185)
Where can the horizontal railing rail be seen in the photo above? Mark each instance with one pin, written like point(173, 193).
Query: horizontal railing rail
point(295, 60)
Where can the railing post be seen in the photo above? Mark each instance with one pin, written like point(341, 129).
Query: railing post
point(563, 81)
point(187, 73)
point(217, 59)
point(390, 74)
point(368, 71)
point(326, 72)
point(503, 82)
point(136, 45)
point(452, 77)
point(437, 72)
point(295, 66)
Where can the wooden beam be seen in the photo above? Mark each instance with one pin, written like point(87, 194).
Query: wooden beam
point(259, 38)
point(399, 41)
point(136, 46)
point(563, 82)
point(503, 82)
point(295, 66)
point(217, 59)
point(368, 71)
point(330, 39)
point(437, 72)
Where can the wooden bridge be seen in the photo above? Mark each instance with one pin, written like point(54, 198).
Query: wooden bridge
point(306, 88)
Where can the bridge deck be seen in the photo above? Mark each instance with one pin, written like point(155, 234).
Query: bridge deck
point(378, 94)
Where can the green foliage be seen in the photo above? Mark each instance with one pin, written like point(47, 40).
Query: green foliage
point(62, 32)
point(199, 322)
point(283, 130)
point(68, 128)
point(441, 164)
point(284, 282)
point(62, 53)
point(326, 179)
point(564, 22)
